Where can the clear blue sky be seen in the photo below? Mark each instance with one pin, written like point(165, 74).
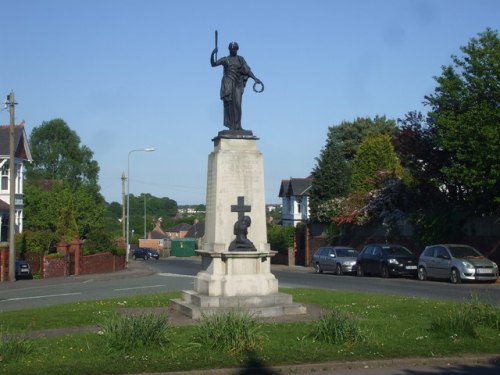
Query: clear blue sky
point(129, 74)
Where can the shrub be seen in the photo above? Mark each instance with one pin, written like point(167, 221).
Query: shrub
point(337, 327)
point(127, 333)
point(232, 332)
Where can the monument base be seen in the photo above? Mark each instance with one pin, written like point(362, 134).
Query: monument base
point(232, 279)
point(236, 281)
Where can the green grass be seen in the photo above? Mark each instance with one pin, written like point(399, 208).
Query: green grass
point(391, 327)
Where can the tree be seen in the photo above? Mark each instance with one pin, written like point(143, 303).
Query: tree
point(350, 135)
point(331, 177)
point(332, 173)
point(465, 113)
point(375, 162)
point(58, 155)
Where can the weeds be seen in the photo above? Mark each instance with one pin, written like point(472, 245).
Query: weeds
point(337, 327)
point(232, 332)
point(13, 347)
point(464, 319)
point(127, 333)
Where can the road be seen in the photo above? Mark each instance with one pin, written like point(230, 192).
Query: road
point(173, 274)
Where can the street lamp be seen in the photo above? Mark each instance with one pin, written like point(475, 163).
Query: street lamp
point(147, 149)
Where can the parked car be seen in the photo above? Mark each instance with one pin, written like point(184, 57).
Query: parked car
point(23, 270)
point(339, 259)
point(386, 260)
point(456, 263)
point(145, 253)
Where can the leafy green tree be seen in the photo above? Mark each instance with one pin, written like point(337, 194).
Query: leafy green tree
point(465, 114)
point(48, 202)
point(58, 155)
point(332, 173)
point(374, 162)
point(331, 177)
point(350, 134)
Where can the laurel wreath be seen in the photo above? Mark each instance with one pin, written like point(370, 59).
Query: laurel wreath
point(255, 88)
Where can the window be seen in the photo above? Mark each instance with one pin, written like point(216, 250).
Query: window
point(5, 177)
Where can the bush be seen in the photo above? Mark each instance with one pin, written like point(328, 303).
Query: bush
point(280, 237)
point(127, 333)
point(232, 332)
point(337, 327)
point(39, 241)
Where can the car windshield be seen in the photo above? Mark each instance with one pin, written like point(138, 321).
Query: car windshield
point(347, 253)
point(396, 250)
point(464, 252)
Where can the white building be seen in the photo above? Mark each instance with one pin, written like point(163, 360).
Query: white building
point(22, 154)
point(295, 195)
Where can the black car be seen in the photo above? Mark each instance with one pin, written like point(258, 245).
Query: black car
point(386, 260)
point(23, 270)
point(145, 253)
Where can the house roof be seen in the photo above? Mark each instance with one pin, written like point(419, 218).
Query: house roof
point(21, 147)
point(182, 227)
point(4, 206)
point(295, 187)
point(197, 230)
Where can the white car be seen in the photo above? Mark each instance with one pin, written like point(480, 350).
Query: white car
point(455, 263)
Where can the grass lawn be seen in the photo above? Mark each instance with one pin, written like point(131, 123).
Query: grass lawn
point(392, 327)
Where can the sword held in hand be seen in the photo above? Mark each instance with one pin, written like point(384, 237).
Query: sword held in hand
point(216, 40)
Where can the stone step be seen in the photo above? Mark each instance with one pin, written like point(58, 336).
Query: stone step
point(200, 300)
point(196, 312)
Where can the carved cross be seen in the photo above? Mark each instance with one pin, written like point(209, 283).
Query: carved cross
point(240, 208)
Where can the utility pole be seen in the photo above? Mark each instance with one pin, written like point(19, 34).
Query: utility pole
point(123, 204)
point(12, 191)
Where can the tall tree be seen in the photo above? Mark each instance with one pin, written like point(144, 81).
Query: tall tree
point(58, 155)
point(332, 172)
point(375, 162)
point(331, 177)
point(350, 134)
point(465, 111)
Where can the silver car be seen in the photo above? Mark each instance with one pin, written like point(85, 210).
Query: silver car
point(456, 263)
point(339, 259)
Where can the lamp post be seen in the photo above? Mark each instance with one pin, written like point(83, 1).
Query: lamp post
point(147, 149)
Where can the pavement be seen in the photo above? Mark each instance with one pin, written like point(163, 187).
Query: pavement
point(464, 364)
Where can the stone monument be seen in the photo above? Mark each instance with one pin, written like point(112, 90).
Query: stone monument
point(236, 258)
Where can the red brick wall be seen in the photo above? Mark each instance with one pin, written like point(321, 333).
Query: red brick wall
point(4, 264)
point(101, 263)
point(54, 267)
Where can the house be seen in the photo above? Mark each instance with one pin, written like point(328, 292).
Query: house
point(157, 239)
point(178, 231)
point(22, 154)
point(295, 195)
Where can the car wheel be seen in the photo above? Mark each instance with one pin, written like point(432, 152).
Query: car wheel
point(384, 271)
point(455, 276)
point(422, 273)
point(338, 270)
point(318, 269)
point(146, 257)
point(359, 271)
point(134, 257)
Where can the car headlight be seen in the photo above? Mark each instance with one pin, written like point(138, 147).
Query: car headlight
point(467, 264)
point(495, 265)
point(393, 261)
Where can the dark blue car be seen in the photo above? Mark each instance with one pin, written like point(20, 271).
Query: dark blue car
point(145, 253)
point(23, 270)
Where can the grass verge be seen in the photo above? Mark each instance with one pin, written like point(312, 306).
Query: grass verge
point(390, 327)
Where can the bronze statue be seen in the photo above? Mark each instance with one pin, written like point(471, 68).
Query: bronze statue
point(236, 74)
point(241, 242)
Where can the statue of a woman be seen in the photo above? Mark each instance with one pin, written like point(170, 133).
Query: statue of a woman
point(236, 74)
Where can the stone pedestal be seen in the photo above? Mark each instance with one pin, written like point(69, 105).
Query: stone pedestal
point(235, 279)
